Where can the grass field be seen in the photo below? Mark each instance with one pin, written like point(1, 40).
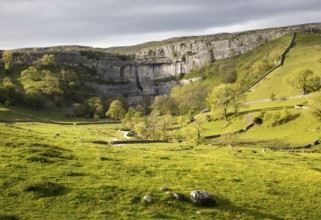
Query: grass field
point(44, 176)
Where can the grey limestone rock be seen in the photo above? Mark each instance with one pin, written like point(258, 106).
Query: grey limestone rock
point(147, 199)
point(202, 198)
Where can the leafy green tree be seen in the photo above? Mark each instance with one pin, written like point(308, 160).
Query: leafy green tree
point(116, 110)
point(9, 92)
point(69, 78)
point(180, 120)
point(52, 87)
point(32, 73)
point(34, 98)
point(7, 58)
point(226, 97)
point(48, 59)
point(165, 124)
point(237, 98)
point(164, 105)
point(94, 107)
point(132, 117)
point(305, 81)
point(190, 116)
point(219, 100)
point(190, 97)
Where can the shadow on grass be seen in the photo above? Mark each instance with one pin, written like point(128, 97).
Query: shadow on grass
point(45, 188)
point(226, 205)
point(8, 217)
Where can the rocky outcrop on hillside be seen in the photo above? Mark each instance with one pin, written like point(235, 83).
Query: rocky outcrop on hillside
point(152, 71)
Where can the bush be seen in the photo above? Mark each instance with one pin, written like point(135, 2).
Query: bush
point(275, 118)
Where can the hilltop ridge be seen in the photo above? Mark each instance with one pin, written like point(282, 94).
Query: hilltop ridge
point(154, 68)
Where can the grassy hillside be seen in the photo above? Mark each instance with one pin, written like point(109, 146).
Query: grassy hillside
point(305, 54)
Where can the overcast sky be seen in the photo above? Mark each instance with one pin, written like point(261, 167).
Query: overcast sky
point(106, 23)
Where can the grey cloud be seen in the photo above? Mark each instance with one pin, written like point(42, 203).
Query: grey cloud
point(32, 22)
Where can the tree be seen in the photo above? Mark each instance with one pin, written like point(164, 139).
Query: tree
point(7, 58)
point(9, 93)
point(305, 81)
point(225, 97)
point(180, 121)
point(164, 105)
point(237, 98)
point(219, 100)
point(52, 87)
point(32, 73)
point(33, 98)
point(47, 60)
point(190, 97)
point(132, 118)
point(94, 107)
point(116, 110)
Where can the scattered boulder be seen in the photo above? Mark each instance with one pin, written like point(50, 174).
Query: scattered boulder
point(202, 198)
point(164, 188)
point(254, 151)
point(56, 135)
point(147, 199)
point(172, 195)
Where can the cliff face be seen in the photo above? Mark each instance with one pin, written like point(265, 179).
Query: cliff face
point(147, 71)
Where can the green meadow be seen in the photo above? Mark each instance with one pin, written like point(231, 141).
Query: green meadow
point(65, 176)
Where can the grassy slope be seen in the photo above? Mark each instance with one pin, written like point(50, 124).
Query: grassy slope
point(104, 182)
point(300, 131)
point(305, 54)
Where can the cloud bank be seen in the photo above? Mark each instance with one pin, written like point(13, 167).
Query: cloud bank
point(105, 23)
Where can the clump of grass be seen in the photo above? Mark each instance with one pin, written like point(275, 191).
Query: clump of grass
point(44, 188)
point(39, 159)
point(72, 173)
point(104, 158)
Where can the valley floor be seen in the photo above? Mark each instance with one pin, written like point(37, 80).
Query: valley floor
point(55, 172)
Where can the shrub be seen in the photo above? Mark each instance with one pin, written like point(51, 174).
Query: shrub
point(275, 118)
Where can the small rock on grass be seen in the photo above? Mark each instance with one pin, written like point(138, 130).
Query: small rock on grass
point(172, 195)
point(147, 199)
point(164, 188)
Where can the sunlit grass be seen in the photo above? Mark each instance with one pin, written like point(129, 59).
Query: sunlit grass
point(304, 55)
point(80, 184)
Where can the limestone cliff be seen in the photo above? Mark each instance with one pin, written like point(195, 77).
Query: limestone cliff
point(146, 72)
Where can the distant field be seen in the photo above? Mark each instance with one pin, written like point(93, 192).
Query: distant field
point(108, 182)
